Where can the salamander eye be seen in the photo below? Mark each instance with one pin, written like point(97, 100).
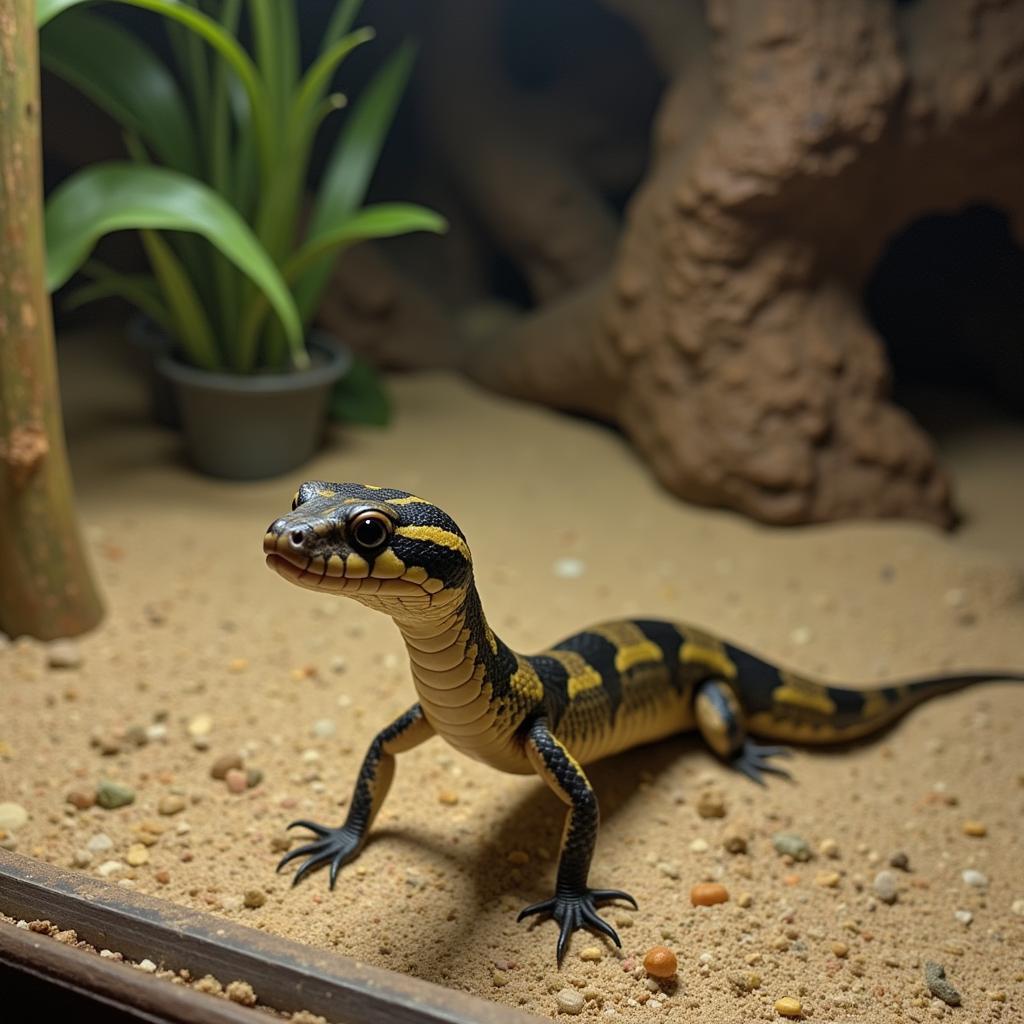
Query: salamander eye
point(370, 529)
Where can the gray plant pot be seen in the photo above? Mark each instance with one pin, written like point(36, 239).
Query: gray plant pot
point(248, 427)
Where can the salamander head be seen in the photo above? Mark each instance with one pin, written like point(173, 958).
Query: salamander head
point(386, 548)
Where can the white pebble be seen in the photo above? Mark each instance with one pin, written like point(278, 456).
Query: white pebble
point(63, 654)
point(965, 917)
point(110, 867)
point(885, 886)
point(1017, 906)
point(324, 728)
point(146, 965)
point(12, 817)
point(699, 846)
point(975, 878)
point(100, 843)
point(569, 569)
point(569, 1001)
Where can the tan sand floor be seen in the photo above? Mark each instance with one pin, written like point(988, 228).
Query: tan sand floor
point(199, 634)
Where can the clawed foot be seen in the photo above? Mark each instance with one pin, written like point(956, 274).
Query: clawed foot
point(577, 910)
point(753, 761)
point(337, 845)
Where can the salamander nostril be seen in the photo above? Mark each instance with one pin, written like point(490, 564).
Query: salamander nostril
point(297, 537)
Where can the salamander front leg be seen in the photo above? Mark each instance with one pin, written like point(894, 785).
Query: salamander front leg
point(341, 845)
point(573, 905)
point(720, 721)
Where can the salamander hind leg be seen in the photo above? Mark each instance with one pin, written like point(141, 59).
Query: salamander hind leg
point(340, 845)
point(720, 721)
point(573, 905)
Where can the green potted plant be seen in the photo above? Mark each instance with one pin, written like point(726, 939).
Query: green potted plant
point(215, 185)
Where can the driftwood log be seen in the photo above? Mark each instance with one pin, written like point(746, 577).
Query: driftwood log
point(721, 325)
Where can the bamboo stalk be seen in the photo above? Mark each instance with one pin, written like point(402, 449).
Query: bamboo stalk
point(46, 587)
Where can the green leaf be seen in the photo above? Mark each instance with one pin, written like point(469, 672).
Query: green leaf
point(115, 197)
point(341, 21)
point(351, 164)
point(360, 396)
point(381, 221)
point(316, 80)
point(210, 31)
point(138, 289)
point(123, 76)
point(192, 328)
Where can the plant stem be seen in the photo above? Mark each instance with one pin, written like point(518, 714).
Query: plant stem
point(46, 587)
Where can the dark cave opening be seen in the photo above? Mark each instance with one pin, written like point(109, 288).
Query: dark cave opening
point(947, 297)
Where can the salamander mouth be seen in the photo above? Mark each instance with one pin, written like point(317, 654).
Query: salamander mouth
point(314, 574)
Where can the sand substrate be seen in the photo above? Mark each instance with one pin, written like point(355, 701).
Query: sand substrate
point(206, 656)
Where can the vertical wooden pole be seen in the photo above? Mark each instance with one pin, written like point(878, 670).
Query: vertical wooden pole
point(46, 587)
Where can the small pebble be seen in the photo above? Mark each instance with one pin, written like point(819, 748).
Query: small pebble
point(827, 879)
point(787, 1006)
point(706, 894)
point(569, 569)
point(63, 654)
point(745, 900)
point(224, 764)
point(499, 979)
point(900, 861)
point(111, 795)
point(1017, 906)
point(170, 804)
point(829, 848)
point(570, 1001)
point(592, 953)
point(12, 817)
point(935, 979)
point(254, 898)
point(324, 728)
point(669, 869)
point(793, 845)
point(236, 780)
point(100, 843)
point(975, 878)
point(448, 797)
point(80, 799)
point(964, 917)
point(81, 858)
point(163, 876)
point(735, 842)
point(744, 981)
point(110, 867)
point(660, 962)
point(699, 845)
point(711, 804)
point(137, 855)
point(518, 857)
point(200, 725)
point(884, 886)
point(253, 777)
point(975, 828)
point(840, 949)
point(146, 966)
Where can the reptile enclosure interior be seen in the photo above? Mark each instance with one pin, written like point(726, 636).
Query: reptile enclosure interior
point(706, 313)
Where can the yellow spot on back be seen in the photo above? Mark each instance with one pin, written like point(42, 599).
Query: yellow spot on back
point(875, 704)
point(582, 675)
point(388, 566)
point(718, 661)
point(325, 493)
point(797, 692)
point(526, 682)
point(434, 534)
point(635, 654)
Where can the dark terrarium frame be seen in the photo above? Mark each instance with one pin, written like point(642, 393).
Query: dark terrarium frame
point(286, 975)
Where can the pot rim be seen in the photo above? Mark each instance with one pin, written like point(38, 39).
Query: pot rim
point(339, 361)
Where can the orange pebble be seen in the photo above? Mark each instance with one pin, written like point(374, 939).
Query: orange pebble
point(706, 894)
point(661, 962)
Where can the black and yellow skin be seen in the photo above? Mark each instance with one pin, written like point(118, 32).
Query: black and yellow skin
point(606, 689)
